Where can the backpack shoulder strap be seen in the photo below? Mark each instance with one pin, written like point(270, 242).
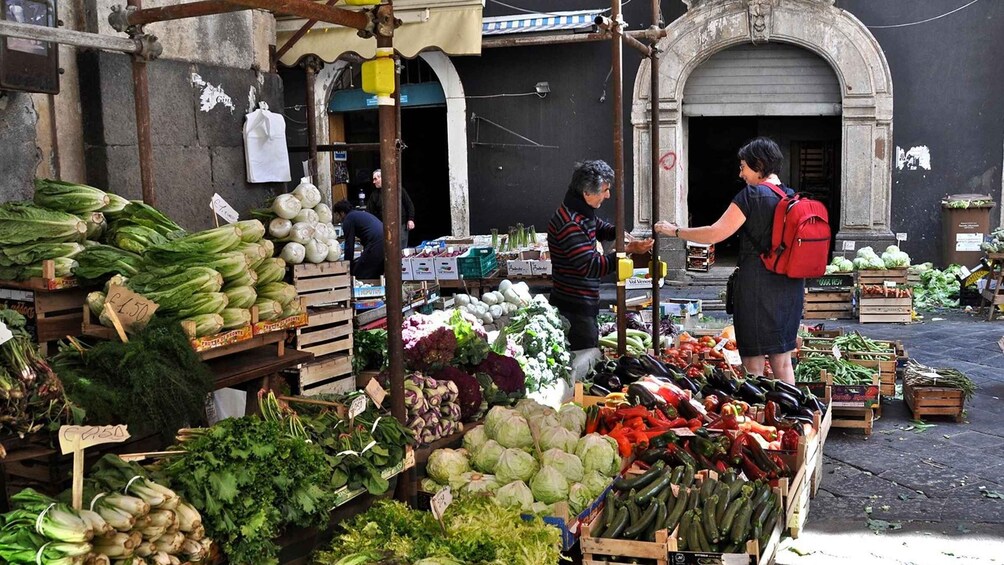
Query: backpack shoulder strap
point(777, 190)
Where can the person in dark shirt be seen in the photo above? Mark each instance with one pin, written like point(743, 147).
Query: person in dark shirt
point(374, 205)
point(369, 229)
point(571, 237)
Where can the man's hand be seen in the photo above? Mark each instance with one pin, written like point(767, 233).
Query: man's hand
point(411, 224)
point(639, 246)
point(666, 228)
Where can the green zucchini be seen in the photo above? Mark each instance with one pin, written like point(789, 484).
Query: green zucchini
point(686, 523)
point(642, 480)
point(708, 519)
point(741, 524)
point(708, 488)
point(638, 526)
point(654, 487)
point(660, 517)
point(730, 515)
point(722, 492)
point(619, 523)
point(677, 475)
point(688, 475)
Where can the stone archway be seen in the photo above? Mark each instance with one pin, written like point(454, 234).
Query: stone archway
point(835, 35)
point(456, 124)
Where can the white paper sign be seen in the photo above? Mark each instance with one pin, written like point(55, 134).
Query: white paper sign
point(889, 284)
point(732, 357)
point(721, 345)
point(836, 352)
point(440, 502)
point(900, 236)
point(848, 246)
point(223, 209)
point(968, 241)
point(966, 272)
point(5, 334)
point(357, 407)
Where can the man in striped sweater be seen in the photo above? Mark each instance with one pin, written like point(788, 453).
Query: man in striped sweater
point(577, 265)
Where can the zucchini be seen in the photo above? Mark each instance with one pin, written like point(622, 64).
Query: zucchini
point(688, 475)
point(654, 488)
point(603, 517)
point(639, 526)
point(708, 520)
point(694, 499)
point(735, 488)
point(660, 517)
point(730, 515)
point(673, 518)
point(723, 501)
point(686, 523)
point(761, 513)
point(728, 477)
point(741, 524)
point(708, 488)
point(634, 513)
point(619, 523)
point(641, 480)
point(697, 538)
point(666, 496)
point(677, 475)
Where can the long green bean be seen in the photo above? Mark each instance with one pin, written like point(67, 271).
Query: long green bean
point(843, 372)
point(922, 375)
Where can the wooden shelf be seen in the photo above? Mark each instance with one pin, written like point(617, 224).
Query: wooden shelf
point(254, 364)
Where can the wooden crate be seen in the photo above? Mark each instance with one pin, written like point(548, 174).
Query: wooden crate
point(828, 306)
point(755, 555)
point(606, 551)
point(328, 331)
point(329, 375)
point(880, 277)
point(582, 399)
point(323, 284)
point(934, 401)
point(854, 418)
point(50, 305)
point(885, 310)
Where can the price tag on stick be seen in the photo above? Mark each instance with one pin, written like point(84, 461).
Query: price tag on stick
point(376, 392)
point(721, 344)
point(74, 439)
point(223, 209)
point(732, 357)
point(836, 352)
point(130, 308)
point(357, 407)
point(440, 502)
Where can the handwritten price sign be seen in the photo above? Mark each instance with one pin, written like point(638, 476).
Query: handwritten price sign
point(440, 502)
point(130, 308)
point(90, 436)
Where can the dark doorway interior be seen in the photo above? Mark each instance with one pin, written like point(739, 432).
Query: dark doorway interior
point(811, 148)
point(424, 165)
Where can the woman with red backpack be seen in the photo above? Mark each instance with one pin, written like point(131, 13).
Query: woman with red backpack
point(766, 305)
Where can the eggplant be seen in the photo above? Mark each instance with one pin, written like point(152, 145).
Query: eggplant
point(597, 390)
point(655, 367)
point(805, 411)
point(788, 403)
point(687, 384)
point(723, 382)
point(640, 394)
point(790, 389)
point(750, 392)
point(609, 381)
point(687, 410)
point(814, 404)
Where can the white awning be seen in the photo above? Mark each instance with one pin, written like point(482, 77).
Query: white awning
point(450, 26)
point(541, 22)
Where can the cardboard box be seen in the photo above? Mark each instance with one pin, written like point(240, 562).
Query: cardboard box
point(541, 267)
point(447, 268)
point(519, 268)
point(423, 268)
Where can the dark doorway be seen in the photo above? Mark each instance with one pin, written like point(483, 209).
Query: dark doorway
point(811, 148)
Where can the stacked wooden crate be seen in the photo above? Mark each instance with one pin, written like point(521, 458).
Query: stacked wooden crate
point(326, 290)
point(883, 309)
point(829, 298)
point(51, 305)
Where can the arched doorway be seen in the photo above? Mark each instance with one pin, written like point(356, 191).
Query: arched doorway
point(864, 165)
point(447, 187)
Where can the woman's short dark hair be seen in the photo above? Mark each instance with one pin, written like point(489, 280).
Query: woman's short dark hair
point(590, 176)
point(762, 155)
point(342, 207)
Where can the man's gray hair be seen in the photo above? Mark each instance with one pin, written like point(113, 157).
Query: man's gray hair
point(590, 176)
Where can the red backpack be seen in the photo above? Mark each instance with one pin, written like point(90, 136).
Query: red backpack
point(800, 239)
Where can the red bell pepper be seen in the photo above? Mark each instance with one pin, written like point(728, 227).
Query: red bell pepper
point(789, 440)
point(695, 424)
point(753, 472)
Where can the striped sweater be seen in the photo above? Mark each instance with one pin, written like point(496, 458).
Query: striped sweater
point(571, 238)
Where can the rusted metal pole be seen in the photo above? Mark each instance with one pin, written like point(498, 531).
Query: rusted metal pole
point(656, 269)
point(298, 35)
point(609, 25)
point(312, 64)
point(329, 147)
point(141, 94)
point(616, 74)
point(311, 11)
point(70, 37)
point(141, 16)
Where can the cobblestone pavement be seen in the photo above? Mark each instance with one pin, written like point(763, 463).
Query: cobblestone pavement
point(913, 494)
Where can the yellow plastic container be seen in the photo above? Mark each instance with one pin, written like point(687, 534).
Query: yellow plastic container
point(362, 2)
point(663, 268)
point(378, 76)
point(625, 268)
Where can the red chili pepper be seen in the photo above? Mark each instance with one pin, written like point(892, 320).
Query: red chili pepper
point(720, 466)
point(753, 472)
point(695, 424)
point(626, 412)
point(789, 440)
point(672, 398)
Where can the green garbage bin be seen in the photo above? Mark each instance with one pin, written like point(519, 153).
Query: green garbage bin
point(965, 222)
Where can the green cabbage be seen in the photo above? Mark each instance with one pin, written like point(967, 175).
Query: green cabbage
point(579, 498)
point(429, 485)
point(558, 438)
point(486, 457)
point(598, 453)
point(549, 485)
point(597, 482)
point(475, 438)
point(515, 465)
point(573, 418)
point(514, 432)
point(515, 494)
point(494, 419)
point(542, 509)
point(569, 465)
point(216, 240)
point(446, 463)
point(474, 482)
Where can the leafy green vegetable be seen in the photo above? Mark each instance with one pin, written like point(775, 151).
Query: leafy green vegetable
point(250, 479)
point(30, 253)
point(21, 222)
point(69, 197)
point(369, 350)
point(97, 261)
point(472, 347)
point(938, 289)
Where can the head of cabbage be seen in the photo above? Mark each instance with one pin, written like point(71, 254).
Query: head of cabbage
point(515, 465)
point(533, 410)
point(513, 431)
point(558, 438)
point(599, 453)
point(515, 494)
point(549, 485)
point(579, 498)
point(472, 482)
point(446, 463)
point(569, 465)
point(487, 456)
point(475, 438)
point(597, 482)
point(494, 419)
point(572, 417)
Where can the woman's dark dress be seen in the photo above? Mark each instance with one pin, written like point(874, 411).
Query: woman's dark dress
point(768, 306)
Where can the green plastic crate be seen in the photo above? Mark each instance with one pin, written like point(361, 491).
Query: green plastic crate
point(478, 263)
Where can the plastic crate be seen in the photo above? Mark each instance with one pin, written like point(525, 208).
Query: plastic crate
point(478, 263)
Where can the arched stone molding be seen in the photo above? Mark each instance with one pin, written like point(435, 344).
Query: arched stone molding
point(456, 124)
point(835, 35)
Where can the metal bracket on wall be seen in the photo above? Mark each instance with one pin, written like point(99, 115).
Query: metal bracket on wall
point(477, 136)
